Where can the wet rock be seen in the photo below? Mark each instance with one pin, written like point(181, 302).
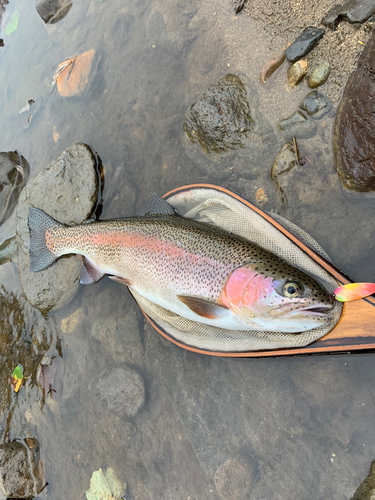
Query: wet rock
point(21, 472)
point(121, 389)
point(285, 160)
point(366, 490)
point(297, 125)
point(297, 71)
point(220, 120)
point(235, 479)
point(319, 75)
point(66, 189)
point(353, 11)
point(272, 65)
point(24, 336)
point(14, 173)
point(304, 43)
point(316, 104)
point(52, 11)
point(354, 141)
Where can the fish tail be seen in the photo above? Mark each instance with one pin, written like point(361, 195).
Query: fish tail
point(40, 256)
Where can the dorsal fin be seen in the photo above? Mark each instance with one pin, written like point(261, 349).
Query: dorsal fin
point(156, 206)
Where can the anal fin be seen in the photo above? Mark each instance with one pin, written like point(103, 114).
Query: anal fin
point(203, 307)
point(90, 272)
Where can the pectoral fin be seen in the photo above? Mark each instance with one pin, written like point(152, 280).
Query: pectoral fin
point(203, 307)
point(90, 272)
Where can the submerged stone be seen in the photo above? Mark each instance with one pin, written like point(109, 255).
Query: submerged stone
point(353, 11)
point(66, 190)
point(121, 389)
point(354, 140)
point(297, 71)
point(220, 120)
point(14, 173)
point(304, 43)
point(21, 472)
point(52, 11)
point(366, 490)
point(316, 104)
point(319, 75)
point(297, 125)
point(235, 478)
point(285, 160)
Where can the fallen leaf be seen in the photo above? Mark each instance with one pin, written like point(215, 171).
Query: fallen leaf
point(13, 23)
point(72, 75)
point(105, 486)
point(47, 379)
point(261, 197)
point(17, 378)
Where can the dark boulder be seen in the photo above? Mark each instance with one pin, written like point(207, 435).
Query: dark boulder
point(354, 141)
point(353, 11)
point(220, 120)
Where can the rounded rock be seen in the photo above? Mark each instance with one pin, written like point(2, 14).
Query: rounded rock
point(121, 389)
point(316, 104)
point(235, 479)
point(66, 190)
point(297, 71)
point(319, 75)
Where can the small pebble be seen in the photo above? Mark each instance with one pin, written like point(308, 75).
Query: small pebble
point(297, 71)
point(319, 75)
point(316, 104)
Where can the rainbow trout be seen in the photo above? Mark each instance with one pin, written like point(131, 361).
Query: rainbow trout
point(193, 269)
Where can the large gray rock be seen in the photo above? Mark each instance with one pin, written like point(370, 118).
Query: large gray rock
point(21, 472)
point(67, 190)
point(52, 11)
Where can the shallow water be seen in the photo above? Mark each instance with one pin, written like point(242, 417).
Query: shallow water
point(305, 425)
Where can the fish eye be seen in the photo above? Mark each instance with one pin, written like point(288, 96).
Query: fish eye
point(292, 289)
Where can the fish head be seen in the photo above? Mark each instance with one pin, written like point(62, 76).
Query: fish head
point(277, 298)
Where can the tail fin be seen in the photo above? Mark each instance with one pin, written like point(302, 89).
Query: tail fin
point(40, 256)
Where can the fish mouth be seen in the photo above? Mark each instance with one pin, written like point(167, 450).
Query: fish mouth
point(320, 310)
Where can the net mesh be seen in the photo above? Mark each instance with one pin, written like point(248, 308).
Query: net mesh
point(220, 209)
